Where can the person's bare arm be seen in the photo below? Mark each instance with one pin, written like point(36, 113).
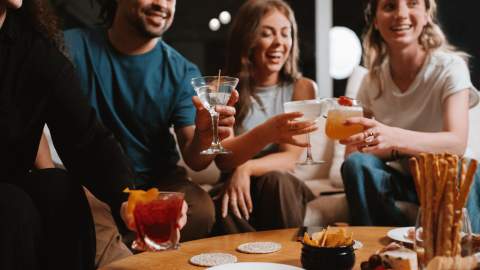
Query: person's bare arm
point(43, 159)
point(452, 139)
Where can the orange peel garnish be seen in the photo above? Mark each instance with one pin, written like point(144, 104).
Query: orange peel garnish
point(138, 196)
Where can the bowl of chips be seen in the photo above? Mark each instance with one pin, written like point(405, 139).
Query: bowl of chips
point(328, 249)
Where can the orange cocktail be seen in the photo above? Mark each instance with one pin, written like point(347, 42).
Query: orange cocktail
point(343, 109)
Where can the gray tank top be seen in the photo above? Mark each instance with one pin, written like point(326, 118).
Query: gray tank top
point(272, 99)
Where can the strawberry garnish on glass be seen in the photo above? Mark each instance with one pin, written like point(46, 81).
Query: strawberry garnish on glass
point(345, 101)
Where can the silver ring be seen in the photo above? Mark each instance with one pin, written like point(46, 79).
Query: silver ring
point(369, 139)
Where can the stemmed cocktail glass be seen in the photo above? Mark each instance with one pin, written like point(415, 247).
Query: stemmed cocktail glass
point(213, 91)
point(311, 109)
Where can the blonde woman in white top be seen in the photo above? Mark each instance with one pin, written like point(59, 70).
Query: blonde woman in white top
point(419, 91)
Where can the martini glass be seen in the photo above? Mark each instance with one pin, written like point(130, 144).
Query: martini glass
point(311, 109)
point(213, 91)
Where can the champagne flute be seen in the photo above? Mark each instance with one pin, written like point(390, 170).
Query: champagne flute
point(213, 91)
point(311, 109)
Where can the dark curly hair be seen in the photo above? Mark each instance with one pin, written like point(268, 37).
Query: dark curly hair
point(107, 11)
point(39, 15)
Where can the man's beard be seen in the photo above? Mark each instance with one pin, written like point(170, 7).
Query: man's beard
point(144, 30)
point(142, 26)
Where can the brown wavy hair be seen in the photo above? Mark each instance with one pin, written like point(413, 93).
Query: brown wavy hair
point(375, 50)
point(242, 40)
point(39, 15)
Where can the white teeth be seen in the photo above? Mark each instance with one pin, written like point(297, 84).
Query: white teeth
point(401, 28)
point(274, 55)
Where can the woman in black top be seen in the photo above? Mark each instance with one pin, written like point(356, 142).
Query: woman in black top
point(45, 221)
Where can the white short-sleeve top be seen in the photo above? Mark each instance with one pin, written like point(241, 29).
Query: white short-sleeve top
point(420, 107)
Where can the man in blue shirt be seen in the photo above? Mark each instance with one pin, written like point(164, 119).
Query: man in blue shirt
point(140, 87)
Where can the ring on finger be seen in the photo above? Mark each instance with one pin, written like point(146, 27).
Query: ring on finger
point(368, 140)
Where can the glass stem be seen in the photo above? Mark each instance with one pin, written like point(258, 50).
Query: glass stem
point(214, 115)
point(309, 149)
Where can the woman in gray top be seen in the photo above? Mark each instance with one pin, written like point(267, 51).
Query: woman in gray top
point(259, 193)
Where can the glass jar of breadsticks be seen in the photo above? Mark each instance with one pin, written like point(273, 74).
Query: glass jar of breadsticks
point(443, 229)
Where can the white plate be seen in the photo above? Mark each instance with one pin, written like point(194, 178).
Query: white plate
point(400, 234)
point(254, 266)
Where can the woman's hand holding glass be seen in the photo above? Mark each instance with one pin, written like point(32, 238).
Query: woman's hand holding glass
point(283, 129)
point(377, 139)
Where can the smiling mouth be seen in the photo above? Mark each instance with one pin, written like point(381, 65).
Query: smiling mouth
point(275, 55)
point(400, 28)
point(162, 15)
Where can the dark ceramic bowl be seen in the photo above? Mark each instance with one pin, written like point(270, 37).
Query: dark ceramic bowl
point(338, 258)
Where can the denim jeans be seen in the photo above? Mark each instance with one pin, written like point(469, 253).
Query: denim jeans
point(372, 188)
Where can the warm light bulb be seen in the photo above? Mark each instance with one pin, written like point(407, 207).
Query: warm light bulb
point(225, 17)
point(214, 24)
point(345, 52)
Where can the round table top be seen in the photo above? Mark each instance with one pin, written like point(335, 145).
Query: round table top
point(373, 239)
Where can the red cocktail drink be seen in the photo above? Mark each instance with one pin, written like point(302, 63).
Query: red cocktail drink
point(156, 221)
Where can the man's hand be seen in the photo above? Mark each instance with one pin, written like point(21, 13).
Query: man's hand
point(203, 120)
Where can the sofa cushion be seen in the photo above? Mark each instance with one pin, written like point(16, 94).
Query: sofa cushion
point(322, 149)
point(325, 210)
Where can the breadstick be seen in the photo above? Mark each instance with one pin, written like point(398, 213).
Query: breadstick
point(429, 242)
point(443, 167)
point(417, 179)
point(465, 188)
point(448, 215)
point(440, 231)
point(421, 165)
point(456, 248)
point(463, 173)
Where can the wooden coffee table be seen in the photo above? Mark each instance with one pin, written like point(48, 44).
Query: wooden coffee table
point(373, 238)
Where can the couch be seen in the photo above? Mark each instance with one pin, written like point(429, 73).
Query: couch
point(325, 181)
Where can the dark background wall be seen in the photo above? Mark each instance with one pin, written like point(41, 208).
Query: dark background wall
point(190, 34)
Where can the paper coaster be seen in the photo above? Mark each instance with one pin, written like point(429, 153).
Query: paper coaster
point(259, 247)
point(357, 244)
point(212, 259)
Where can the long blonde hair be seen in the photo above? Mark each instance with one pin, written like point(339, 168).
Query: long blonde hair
point(242, 40)
point(375, 50)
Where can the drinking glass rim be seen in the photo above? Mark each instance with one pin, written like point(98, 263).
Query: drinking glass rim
point(304, 101)
point(222, 77)
point(177, 193)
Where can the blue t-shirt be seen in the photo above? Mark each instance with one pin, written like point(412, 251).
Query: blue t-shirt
point(137, 97)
